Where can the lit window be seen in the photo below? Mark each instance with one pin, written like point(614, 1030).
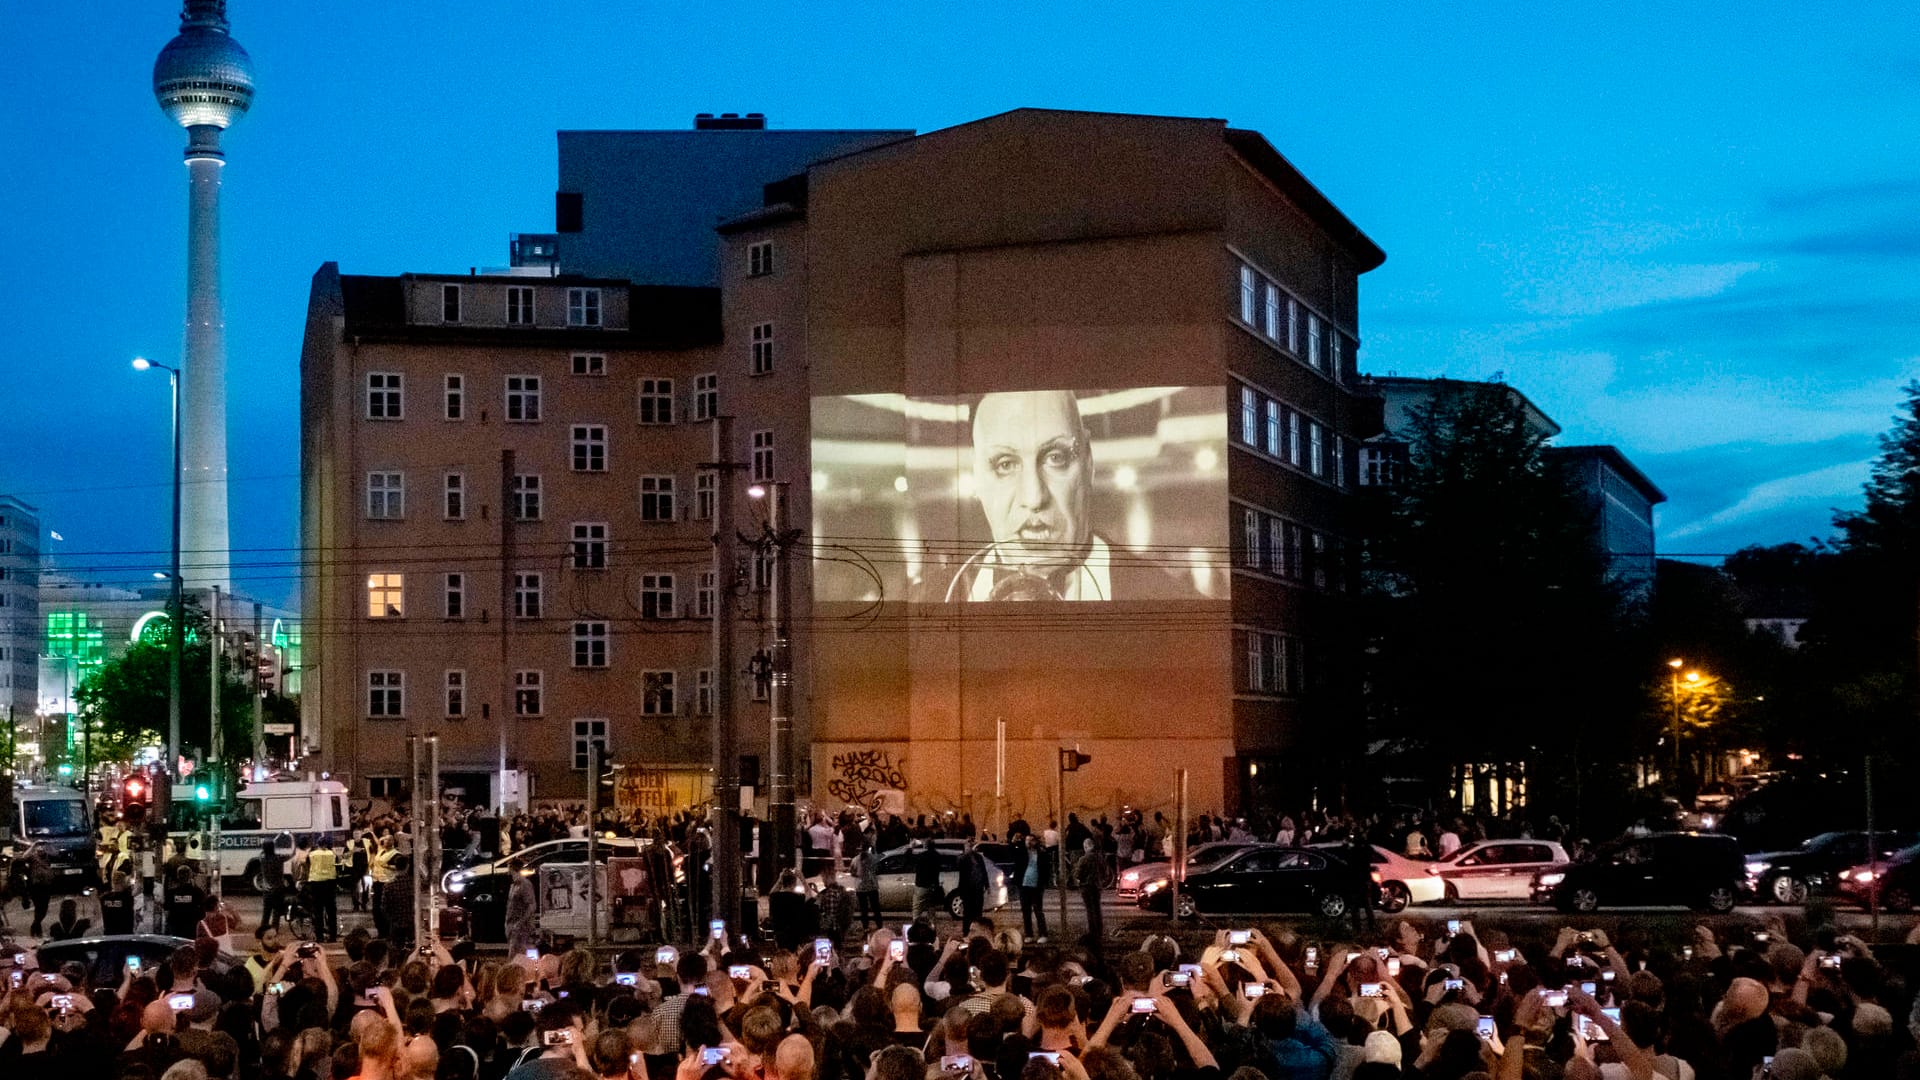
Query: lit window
point(656, 596)
point(523, 398)
point(704, 485)
point(526, 497)
point(656, 693)
point(589, 644)
point(656, 401)
point(762, 348)
point(589, 736)
point(760, 259)
point(456, 596)
point(456, 397)
point(386, 596)
point(589, 447)
point(519, 305)
point(589, 546)
point(527, 696)
point(384, 395)
point(449, 303)
point(456, 497)
point(589, 364)
point(706, 396)
point(526, 595)
point(456, 693)
point(386, 694)
point(762, 462)
point(656, 498)
point(1249, 416)
point(583, 307)
point(386, 496)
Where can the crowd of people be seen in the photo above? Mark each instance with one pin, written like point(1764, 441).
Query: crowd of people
point(1418, 999)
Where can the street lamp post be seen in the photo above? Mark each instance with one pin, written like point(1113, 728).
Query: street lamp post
point(176, 630)
point(1673, 698)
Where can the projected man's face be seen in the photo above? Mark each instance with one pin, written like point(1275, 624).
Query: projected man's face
point(1031, 473)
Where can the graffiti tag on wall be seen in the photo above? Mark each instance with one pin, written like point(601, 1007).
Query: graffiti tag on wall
point(859, 776)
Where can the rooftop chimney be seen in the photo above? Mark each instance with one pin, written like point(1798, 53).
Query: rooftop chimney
point(729, 122)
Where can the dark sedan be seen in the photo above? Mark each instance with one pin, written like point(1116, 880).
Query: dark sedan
point(106, 957)
point(1265, 880)
point(1814, 868)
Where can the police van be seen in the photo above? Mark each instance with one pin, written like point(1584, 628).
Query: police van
point(276, 810)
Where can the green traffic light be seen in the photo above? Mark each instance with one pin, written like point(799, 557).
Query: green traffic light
point(202, 794)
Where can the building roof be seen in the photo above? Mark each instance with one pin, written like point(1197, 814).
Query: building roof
point(658, 316)
point(1413, 385)
point(1617, 461)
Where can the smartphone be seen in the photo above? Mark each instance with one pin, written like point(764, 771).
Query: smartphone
point(1141, 1006)
point(1830, 962)
point(1762, 936)
point(1180, 978)
point(1239, 937)
point(956, 1063)
point(19, 959)
point(63, 1002)
point(1254, 991)
point(1313, 954)
point(16, 976)
point(1382, 951)
point(1453, 927)
point(1554, 999)
point(1373, 990)
point(133, 964)
point(1589, 988)
point(558, 1037)
point(1607, 975)
point(823, 953)
point(1230, 956)
point(179, 1002)
point(625, 978)
point(1590, 1030)
point(1051, 1057)
point(1450, 985)
point(277, 988)
point(1483, 1027)
point(533, 953)
point(897, 950)
point(1192, 971)
point(666, 955)
point(1504, 956)
point(702, 990)
point(713, 1055)
point(1393, 966)
point(740, 971)
point(717, 929)
point(309, 950)
point(973, 979)
point(1503, 978)
point(1686, 952)
point(532, 1005)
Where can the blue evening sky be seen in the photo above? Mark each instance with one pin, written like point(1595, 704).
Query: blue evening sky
point(1690, 230)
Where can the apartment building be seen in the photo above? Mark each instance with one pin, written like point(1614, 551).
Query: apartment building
point(19, 607)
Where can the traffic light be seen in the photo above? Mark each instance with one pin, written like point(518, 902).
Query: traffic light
point(134, 791)
point(202, 793)
point(1071, 759)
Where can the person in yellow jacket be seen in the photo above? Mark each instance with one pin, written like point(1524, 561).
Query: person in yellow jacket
point(381, 869)
point(323, 874)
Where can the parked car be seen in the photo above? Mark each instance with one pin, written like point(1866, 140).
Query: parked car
point(1263, 880)
point(1789, 877)
point(481, 889)
point(1699, 870)
point(1402, 880)
point(1896, 878)
point(1149, 876)
point(896, 879)
point(106, 956)
point(1495, 869)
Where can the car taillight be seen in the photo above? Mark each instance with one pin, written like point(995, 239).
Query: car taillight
point(1375, 876)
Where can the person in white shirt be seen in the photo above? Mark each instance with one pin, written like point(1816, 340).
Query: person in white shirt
point(1449, 842)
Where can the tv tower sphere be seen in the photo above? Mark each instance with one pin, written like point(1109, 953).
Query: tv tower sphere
point(203, 78)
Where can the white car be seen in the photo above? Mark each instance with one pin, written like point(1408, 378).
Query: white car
point(1402, 880)
point(896, 879)
point(1496, 869)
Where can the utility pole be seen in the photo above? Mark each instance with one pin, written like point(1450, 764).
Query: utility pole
point(418, 854)
point(1178, 848)
point(259, 654)
point(593, 843)
point(1060, 852)
point(214, 780)
point(725, 885)
point(431, 918)
point(780, 808)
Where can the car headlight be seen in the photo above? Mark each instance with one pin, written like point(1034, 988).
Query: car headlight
point(1755, 869)
point(1550, 880)
point(1154, 886)
point(457, 886)
point(1863, 875)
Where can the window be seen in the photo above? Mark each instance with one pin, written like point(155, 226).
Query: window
point(384, 395)
point(583, 307)
point(456, 693)
point(527, 697)
point(706, 396)
point(1296, 564)
point(1271, 311)
point(656, 498)
point(1339, 462)
point(589, 448)
point(455, 493)
point(656, 596)
point(762, 468)
point(455, 592)
point(1277, 546)
point(760, 259)
point(1282, 658)
point(386, 694)
point(386, 496)
point(386, 596)
point(763, 569)
point(1256, 660)
point(589, 546)
point(656, 693)
point(1313, 340)
point(703, 691)
point(1249, 294)
point(1293, 326)
point(1249, 416)
point(590, 644)
point(589, 736)
point(523, 399)
point(383, 787)
point(1376, 467)
point(656, 401)
point(1319, 561)
point(703, 596)
point(1316, 460)
point(526, 595)
point(456, 397)
point(589, 363)
point(519, 305)
point(450, 303)
point(704, 486)
point(1338, 344)
point(526, 497)
point(1273, 427)
point(762, 683)
point(1293, 437)
point(1251, 520)
point(762, 345)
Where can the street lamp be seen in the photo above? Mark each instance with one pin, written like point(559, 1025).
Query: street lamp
point(1673, 698)
point(176, 630)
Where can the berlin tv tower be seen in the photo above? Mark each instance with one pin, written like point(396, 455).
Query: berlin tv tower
point(204, 82)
